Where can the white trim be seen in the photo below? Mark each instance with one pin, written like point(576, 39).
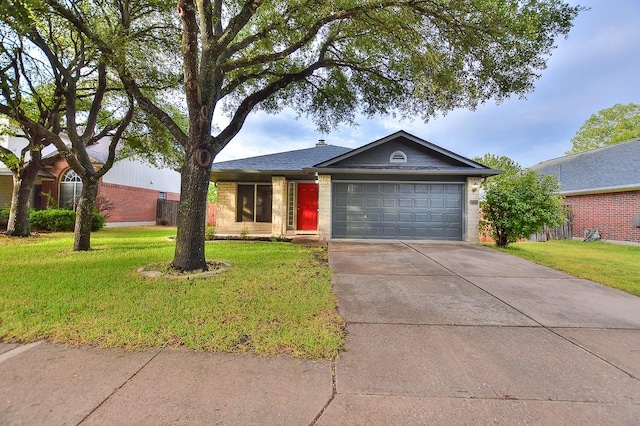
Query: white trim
point(419, 182)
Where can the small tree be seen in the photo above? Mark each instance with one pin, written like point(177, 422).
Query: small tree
point(518, 205)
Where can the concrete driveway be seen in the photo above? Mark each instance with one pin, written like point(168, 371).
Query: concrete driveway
point(462, 334)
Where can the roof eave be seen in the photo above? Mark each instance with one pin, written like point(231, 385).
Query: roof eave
point(603, 190)
point(463, 172)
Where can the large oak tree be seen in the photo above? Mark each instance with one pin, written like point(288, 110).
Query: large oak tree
point(55, 84)
point(330, 60)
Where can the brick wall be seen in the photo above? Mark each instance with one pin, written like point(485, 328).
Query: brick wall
point(131, 204)
point(610, 213)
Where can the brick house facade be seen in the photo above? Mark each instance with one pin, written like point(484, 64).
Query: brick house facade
point(131, 188)
point(610, 213)
point(602, 188)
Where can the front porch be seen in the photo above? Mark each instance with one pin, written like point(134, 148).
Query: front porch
point(282, 208)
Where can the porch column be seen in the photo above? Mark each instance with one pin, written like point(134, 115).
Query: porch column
point(472, 209)
point(324, 207)
point(279, 206)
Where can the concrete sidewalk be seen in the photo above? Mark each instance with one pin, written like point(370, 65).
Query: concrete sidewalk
point(437, 334)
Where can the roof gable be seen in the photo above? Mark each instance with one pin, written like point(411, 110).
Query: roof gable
point(420, 155)
point(614, 167)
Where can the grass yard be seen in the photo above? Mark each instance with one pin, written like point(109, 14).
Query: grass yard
point(614, 265)
point(275, 299)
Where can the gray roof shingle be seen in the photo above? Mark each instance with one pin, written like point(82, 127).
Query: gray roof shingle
point(611, 167)
point(290, 160)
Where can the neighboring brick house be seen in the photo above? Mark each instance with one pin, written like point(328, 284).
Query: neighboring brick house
point(398, 187)
point(132, 187)
point(602, 187)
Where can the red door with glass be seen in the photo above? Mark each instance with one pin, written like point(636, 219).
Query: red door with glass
point(307, 207)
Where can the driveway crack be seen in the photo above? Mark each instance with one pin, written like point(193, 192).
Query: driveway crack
point(334, 392)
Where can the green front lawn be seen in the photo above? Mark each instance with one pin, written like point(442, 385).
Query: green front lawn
point(614, 265)
point(276, 298)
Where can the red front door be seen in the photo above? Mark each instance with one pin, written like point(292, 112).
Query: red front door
point(307, 207)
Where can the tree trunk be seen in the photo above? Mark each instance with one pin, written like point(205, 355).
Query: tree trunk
point(192, 211)
point(84, 214)
point(23, 184)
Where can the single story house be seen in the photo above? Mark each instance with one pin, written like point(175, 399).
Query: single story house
point(131, 188)
point(398, 187)
point(602, 188)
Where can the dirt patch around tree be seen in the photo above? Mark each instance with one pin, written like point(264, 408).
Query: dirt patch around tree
point(163, 270)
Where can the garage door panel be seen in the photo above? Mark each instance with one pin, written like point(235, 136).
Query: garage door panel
point(405, 202)
point(389, 203)
point(405, 217)
point(437, 189)
point(421, 217)
point(375, 217)
point(452, 203)
point(437, 203)
point(375, 203)
point(390, 217)
point(397, 210)
point(389, 188)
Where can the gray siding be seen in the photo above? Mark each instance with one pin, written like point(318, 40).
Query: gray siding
point(416, 156)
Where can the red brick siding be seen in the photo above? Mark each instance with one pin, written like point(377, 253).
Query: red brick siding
point(51, 187)
point(611, 213)
point(131, 204)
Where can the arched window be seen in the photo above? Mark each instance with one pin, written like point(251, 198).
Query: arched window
point(70, 188)
point(398, 157)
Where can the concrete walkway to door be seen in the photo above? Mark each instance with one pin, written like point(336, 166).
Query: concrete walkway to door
point(462, 334)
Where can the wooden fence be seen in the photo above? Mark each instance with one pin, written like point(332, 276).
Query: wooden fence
point(563, 232)
point(166, 212)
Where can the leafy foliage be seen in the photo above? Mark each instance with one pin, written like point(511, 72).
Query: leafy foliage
point(499, 162)
point(609, 126)
point(518, 205)
point(4, 218)
point(59, 220)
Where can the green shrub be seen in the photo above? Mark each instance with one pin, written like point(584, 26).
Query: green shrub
point(58, 220)
point(4, 218)
point(52, 220)
point(97, 221)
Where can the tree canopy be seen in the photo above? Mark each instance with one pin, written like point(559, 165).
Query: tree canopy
point(609, 126)
point(327, 59)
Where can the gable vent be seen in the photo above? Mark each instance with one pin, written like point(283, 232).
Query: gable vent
point(398, 157)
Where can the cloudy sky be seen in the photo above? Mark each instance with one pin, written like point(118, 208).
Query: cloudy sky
point(597, 66)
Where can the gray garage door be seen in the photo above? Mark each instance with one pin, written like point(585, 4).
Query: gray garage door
point(397, 210)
